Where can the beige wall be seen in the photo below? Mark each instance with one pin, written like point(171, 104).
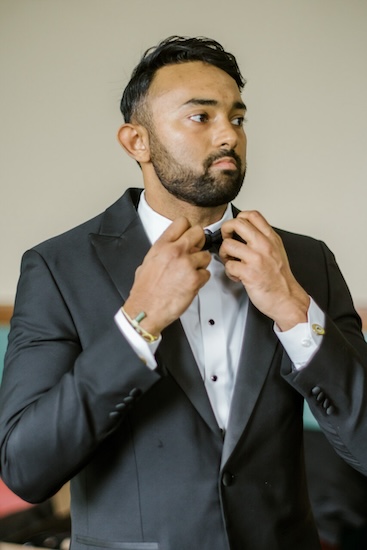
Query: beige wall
point(65, 62)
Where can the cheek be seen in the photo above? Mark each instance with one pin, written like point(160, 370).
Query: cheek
point(187, 146)
point(242, 149)
point(188, 151)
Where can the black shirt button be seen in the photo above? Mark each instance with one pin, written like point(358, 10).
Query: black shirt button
point(211, 322)
point(214, 378)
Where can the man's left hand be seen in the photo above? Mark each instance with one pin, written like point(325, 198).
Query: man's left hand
point(261, 264)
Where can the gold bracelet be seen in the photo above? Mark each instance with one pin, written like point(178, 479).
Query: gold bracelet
point(135, 324)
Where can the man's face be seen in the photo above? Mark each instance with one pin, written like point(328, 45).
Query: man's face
point(196, 136)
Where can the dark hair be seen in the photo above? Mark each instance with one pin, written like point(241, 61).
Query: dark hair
point(173, 50)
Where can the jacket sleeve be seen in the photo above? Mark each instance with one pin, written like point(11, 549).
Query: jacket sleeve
point(334, 383)
point(59, 400)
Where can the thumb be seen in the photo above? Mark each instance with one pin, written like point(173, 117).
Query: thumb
point(175, 230)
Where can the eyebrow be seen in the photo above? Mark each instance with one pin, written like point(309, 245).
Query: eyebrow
point(202, 101)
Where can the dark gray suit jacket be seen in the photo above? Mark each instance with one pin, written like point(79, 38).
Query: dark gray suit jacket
point(148, 463)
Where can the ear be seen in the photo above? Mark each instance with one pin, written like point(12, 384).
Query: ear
point(134, 139)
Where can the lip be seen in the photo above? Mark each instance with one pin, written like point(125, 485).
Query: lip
point(225, 163)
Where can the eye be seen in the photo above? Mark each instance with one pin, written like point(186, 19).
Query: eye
point(201, 117)
point(238, 121)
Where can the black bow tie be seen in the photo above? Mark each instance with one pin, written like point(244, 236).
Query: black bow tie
point(213, 240)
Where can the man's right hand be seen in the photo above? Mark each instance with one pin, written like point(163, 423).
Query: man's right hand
point(170, 276)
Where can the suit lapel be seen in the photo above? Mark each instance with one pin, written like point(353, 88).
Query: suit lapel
point(258, 348)
point(176, 356)
point(122, 242)
point(121, 246)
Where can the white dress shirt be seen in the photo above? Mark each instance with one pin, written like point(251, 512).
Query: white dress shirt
point(215, 322)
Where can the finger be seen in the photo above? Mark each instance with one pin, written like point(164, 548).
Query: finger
point(204, 276)
point(240, 227)
point(235, 270)
point(195, 238)
point(192, 238)
point(249, 225)
point(175, 230)
point(233, 249)
point(256, 219)
point(237, 228)
point(201, 260)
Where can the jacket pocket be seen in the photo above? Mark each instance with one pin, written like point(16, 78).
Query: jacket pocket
point(90, 541)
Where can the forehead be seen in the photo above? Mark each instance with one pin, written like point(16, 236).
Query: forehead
point(177, 84)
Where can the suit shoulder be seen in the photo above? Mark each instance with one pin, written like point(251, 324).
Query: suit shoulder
point(77, 237)
point(290, 237)
point(299, 245)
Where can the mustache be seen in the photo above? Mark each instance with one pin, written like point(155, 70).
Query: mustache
point(221, 154)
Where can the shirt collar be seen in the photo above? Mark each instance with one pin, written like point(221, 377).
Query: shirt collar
point(155, 224)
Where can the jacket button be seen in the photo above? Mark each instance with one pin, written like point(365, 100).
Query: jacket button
point(114, 414)
point(128, 400)
point(320, 396)
point(120, 406)
point(135, 392)
point(227, 479)
point(330, 410)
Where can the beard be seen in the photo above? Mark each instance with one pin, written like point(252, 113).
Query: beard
point(199, 189)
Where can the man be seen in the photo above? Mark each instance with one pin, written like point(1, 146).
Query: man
point(178, 418)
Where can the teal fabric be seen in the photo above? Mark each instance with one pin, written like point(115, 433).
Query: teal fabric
point(309, 421)
point(3, 343)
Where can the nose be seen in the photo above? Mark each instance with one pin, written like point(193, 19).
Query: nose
point(225, 134)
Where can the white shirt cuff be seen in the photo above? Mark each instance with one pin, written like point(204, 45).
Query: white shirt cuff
point(144, 350)
point(302, 341)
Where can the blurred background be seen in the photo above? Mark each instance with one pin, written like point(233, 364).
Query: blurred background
point(64, 64)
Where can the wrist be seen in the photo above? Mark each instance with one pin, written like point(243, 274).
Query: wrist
point(293, 313)
point(136, 323)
